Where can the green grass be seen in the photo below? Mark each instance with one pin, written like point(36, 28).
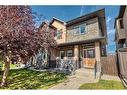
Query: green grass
point(103, 84)
point(1, 64)
point(28, 79)
point(12, 66)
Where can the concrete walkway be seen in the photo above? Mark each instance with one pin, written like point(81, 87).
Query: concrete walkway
point(109, 77)
point(75, 81)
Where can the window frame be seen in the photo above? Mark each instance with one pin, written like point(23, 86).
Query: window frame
point(67, 53)
point(85, 30)
point(78, 27)
point(59, 33)
point(89, 54)
point(61, 53)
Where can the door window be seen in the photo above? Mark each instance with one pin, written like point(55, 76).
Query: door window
point(91, 53)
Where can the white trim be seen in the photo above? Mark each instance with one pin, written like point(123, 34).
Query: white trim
point(60, 53)
point(59, 20)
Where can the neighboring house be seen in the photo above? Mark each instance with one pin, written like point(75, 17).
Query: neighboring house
point(121, 43)
point(83, 39)
point(121, 28)
point(44, 55)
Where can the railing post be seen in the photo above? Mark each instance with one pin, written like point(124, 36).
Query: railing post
point(95, 69)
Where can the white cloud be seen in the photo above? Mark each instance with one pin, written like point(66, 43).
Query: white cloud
point(108, 19)
point(110, 31)
point(81, 11)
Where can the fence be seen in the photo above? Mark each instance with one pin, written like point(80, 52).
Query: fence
point(122, 56)
point(109, 64)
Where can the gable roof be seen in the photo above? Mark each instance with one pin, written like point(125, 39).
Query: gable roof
point(98, 13)
point(43, 23)
point(56, 19)
point(121, 13)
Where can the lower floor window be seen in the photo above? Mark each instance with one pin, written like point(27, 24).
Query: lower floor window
point(62, 54)
point(69, 53)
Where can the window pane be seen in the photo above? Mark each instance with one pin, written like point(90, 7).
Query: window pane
point(76, 30)
point(59, 34)
point(69, 53)
point(62, 54)
point(91, 53)
point(82, 28)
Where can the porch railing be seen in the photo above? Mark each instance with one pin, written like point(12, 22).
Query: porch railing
point(69, 65)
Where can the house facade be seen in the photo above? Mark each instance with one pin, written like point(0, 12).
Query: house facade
point(83, 39)
point(121, 28)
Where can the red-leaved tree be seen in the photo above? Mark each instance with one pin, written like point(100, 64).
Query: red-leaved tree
point(19, 39)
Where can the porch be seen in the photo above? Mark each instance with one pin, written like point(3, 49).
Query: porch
point(85, 54)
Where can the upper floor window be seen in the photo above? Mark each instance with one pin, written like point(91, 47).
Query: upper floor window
point(121, 23)
point(59, 34)
point(80, 29)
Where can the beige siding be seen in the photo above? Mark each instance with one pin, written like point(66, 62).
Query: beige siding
point(92, 31)
point(97, 51)
point(125, 23)
point(60, 26)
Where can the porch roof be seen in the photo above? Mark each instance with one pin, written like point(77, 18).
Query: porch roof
point(82, 42)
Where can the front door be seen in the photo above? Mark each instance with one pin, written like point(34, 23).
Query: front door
point(89, 57)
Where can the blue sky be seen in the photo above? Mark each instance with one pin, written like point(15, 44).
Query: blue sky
point(66, 13)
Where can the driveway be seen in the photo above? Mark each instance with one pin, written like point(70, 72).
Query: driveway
point(75, 81)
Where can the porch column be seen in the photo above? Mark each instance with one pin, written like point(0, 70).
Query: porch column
point(98, 55)
point(76, 52)
point(97, 51)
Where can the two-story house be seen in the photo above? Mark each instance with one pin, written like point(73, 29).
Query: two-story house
point(83, 39)
point(121, 28)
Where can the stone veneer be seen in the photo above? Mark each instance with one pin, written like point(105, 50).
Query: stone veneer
point(91, 33)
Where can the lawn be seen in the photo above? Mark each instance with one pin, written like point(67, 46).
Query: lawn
point(12, 66)
point(28, 79)
point(103, 84)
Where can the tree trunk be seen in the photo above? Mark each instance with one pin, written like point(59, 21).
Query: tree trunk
point(6, 70)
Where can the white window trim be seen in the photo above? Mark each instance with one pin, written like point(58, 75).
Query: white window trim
point(61, 52)
point(67, 53)
point(79, 33)
point(60, 30)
